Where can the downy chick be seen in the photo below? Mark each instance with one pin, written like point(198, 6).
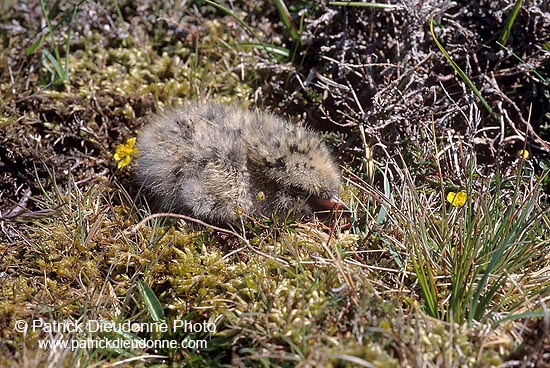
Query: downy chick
point(215, 162)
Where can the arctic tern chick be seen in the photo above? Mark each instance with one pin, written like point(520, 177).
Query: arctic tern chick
point(216, 162)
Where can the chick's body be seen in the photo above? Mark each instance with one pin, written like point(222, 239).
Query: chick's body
point(214, 161)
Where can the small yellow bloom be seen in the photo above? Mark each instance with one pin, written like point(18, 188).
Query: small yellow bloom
point(125, 152)
point(260, 196)
point(457, 199)
point(385, 324)
point(523, 154)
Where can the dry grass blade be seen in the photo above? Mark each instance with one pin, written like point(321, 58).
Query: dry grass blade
point(364, 4)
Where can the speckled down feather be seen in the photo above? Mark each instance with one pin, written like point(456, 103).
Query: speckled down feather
point(215, 162)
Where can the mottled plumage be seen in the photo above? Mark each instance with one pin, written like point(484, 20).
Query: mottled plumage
point(214, 161)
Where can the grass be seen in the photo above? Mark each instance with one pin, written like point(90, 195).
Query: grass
point(54, 64)
point(503, 38)
point(408, 279)
point(293, 290)
point(461, 73)
point(466, 258)
point(278, 52)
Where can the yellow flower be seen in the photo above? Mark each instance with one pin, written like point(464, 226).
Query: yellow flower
point(125, 152)
point(523, 154)
point(260, 196)
point(457, 199)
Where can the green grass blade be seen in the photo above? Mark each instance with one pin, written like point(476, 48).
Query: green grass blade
point(50, 29)
point(118, 11)
point(382, 213)
point(239, 20)
point(68, 43)
point(32, 48)
point(480, 302)
point(47, 56)
point(287, 19)
point(151, 301)
point(513, 317)
point(393, 253)
point(423, 268)
point(530, 67)
point(509, 23)
point(460, 72)
point(275, 50)
point(481, 307)
point(426, 281)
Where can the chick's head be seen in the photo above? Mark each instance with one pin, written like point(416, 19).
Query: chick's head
point(297, 171)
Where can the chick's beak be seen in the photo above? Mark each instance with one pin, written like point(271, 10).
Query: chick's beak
point(332, 204)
